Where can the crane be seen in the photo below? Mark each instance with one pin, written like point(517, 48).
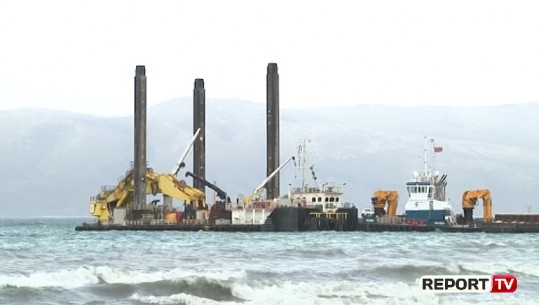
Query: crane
point(469, 201)
point(255, 195)
point(180, 164)
point(381, 198)
point(220, 193)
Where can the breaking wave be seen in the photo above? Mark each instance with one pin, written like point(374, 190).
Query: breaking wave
point(85, 276)
point(409, 272)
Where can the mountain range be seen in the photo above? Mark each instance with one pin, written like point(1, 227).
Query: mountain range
point(52, 162)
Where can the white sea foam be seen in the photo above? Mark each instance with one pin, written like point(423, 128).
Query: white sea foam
point(84, 276)
point(180, 298)
point(502, 267)
point(288, 293)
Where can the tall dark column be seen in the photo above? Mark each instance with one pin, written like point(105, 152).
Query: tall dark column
point(272, 124)
point(199, 121)
point(140, 139)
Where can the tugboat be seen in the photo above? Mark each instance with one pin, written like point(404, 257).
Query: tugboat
point(426, 204)
point(426, 208)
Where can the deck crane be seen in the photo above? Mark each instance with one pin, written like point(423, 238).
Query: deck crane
point(255, 195)
point(180, 164)
point(220, 193)
point(469, 201)
point(381, 198)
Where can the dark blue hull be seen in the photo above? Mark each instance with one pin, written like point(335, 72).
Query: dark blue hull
point(426, 217)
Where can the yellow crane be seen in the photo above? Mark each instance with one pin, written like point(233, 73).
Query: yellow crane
point(103, 205)
point(382, 198)
point(469, 201)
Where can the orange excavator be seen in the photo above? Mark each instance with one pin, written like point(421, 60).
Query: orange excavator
point(469, 201)
point(382, 198)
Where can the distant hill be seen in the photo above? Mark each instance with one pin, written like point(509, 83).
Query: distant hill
point(53, 161)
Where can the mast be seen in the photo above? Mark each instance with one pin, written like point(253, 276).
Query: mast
point(425, 157)
point(302, 160)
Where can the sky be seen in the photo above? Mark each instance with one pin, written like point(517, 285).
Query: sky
point(81, 55)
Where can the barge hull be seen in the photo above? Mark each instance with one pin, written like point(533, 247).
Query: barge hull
point(176, 227)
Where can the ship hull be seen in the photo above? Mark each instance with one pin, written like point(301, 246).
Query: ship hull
point(281, 219)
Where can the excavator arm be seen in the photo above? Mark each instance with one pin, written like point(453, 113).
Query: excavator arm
point(469, 201)
point(220, 192)
point(382, 198)
point(107, 200)
point(168, 185)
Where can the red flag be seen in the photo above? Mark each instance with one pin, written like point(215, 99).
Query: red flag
point(438, 149)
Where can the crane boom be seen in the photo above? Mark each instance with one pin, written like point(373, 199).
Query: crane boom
point(122, 195)
point(180, 163)
point(256, 193)
point(469, 200)
point(261, 185)
point(220, 193)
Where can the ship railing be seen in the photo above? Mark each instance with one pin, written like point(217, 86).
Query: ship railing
point(306, 190)
point(334, 215)
point(163, 222)
point(332, 189)
point(194, 221)
point(393, 220)
point(133, 223)
point(153, 222)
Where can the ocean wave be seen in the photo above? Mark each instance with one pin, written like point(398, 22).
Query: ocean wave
point(313, 253)
point(84, 276)
point(180, 298)
point(200, 287)
point(488, 244)
point(202, 291)
point(503, 267)
point(333, 293)
point(410, 272)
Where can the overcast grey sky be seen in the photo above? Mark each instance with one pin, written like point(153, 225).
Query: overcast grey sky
point(81, 55)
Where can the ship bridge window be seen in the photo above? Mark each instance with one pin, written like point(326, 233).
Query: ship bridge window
point(337, 199)
point(327, 199)
point(319, 199)
point(314, 199)
point(331, 199)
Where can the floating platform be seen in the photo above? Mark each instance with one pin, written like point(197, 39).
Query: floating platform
point(505, 227)
point(292, 219)
point(282, 219)
point(513, 223)
point(382, 227)
point(173, 227)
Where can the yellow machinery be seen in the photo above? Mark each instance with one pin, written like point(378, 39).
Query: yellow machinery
point(469, 201)
point(382, 198)
point(103, 205)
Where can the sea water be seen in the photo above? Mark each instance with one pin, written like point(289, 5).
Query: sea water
point(45, 261)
